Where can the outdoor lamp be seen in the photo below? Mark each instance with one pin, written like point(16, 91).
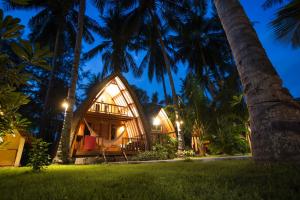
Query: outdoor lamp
point(65, 105)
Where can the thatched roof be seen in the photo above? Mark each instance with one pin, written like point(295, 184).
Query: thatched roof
point(87, 103)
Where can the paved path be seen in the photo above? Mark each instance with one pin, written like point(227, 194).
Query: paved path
point(201, 159)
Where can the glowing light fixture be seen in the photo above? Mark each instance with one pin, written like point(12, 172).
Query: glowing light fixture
point(65, 105)
point(112, 90)
point(156, 121)
point(121, 129)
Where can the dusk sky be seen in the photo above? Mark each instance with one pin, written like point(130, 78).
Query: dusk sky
point(285, 59)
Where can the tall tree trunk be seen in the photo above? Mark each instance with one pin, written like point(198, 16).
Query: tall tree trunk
point(165, 89)
point(174, 95)
point(274, 116)
point(45, 114)
point(65, 135)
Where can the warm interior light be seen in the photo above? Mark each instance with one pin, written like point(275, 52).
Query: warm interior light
point(156, 121)
point(112, 90)
point(65, 105)
point(121, 129)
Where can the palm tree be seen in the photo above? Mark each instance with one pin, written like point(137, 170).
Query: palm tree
point(114, 47)
point(270, 3)
point(63, 149)
point(154, 11)
point(153, 59)
point(274, 116)
point(286, 24)
point(201, 42)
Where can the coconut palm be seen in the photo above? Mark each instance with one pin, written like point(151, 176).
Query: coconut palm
point(270, 3)
point(153, 59)
point(286, 24)
point(114, 47)
point(201, 42)
point(274, 116)
point(62, 155)
point(155, 11)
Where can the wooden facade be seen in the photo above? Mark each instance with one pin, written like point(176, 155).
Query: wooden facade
point(110, 121)
point(161, 126)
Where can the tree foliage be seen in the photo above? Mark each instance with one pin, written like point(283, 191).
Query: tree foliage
point(16, 57)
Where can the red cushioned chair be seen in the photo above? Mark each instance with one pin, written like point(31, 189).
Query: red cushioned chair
point(89, 143)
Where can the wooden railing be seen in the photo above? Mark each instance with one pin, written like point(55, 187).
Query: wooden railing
point(100, 107)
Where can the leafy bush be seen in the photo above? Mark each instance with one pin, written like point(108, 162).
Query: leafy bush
point(151, 155)
point(38, 155)
point(158, 152)
point(188, 153)
point(228, 139)
point(169, 145)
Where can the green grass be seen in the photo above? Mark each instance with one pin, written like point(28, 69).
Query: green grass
point(180, 180)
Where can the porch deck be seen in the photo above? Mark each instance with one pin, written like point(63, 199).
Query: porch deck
point(129, 146)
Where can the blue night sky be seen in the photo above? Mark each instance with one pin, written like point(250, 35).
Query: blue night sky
point(284, 58)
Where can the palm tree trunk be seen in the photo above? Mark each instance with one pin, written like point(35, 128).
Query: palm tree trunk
point(165, 89)
point(45, 114)
point(274, 116)
point(174, 95)
point(65, 136)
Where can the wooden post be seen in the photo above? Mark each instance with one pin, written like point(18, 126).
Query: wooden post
point(20, 151)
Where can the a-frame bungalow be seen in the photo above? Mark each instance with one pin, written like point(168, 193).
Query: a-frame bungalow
point(162, 126)
point(110, 121)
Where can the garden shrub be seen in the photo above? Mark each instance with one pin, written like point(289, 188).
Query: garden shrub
point(38, 155)
point(159, 152)
point(188, 153)
point(228, 139)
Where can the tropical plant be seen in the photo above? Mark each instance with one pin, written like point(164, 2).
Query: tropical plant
point(16, 57)
point(270, 3)
point(286, 24)
point(144, 11)
point(274, 116)
point(38, 155)
point(196, 111)
point(114, 47)
point(201, 44)
point(158, 152)
point(153, 60)
point(54, 25)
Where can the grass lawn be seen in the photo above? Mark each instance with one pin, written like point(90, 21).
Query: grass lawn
point(238, 179)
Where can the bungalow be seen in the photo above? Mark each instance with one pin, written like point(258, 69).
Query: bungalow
point(161, 126)
point(110, 121)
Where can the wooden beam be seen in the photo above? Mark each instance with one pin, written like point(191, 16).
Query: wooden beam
point(20, 151)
